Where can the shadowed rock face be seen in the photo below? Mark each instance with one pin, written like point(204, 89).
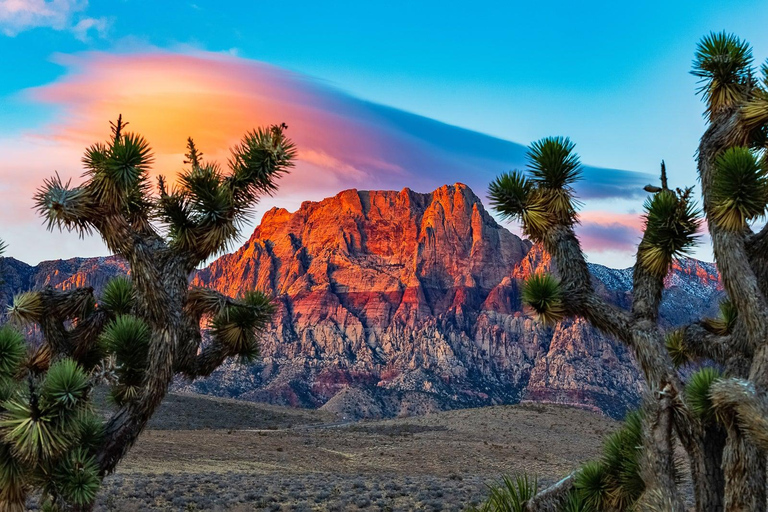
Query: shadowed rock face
point(396, 303)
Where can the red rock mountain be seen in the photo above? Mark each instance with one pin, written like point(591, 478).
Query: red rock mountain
point(400, 303)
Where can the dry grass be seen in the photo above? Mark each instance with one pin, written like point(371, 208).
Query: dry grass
point(243, 456)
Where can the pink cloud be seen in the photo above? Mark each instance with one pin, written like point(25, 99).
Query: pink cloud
point(602, 231)
point(343, 142)
point(20, 15)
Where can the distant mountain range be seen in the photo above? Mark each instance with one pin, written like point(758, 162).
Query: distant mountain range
point(394, 303)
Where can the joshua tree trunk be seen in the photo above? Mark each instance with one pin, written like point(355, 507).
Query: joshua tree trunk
point(707, 471)
point(154, 325)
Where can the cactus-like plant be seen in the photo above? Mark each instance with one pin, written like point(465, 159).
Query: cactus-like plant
point(147, 328)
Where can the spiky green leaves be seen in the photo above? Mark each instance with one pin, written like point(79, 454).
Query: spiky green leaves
point(543, 294)
point(118, 170)
point(27, 307)
point(65, 386)
point(203, 213)
point(38, 423)
point(236, 325)
point(554, 163)
point(127, 338)
point(63, 206)
point(739, 189)
point(13, 348)
point(678, 350)
point(671, 223)
point(117, 297)
point(33, 433)
point(723, 325)
point(614, 482)
point(510, 194)
point(258, 161)
point(546, 198)
point(511, 494)
point(514, 196)
point(723, 64)
point(621, 457)
point(76, 477)
point(697, 392)
point(591, 484)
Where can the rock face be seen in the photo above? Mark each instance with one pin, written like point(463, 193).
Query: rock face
point(399, 302)
point(394, 303)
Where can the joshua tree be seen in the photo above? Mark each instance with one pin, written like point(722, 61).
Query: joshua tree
point(149, 327)
point(720, 417)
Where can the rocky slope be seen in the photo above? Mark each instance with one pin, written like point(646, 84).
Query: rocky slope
point(393, 303)
point(399, 302)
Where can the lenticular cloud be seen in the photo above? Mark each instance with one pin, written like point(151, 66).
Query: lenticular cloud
point(344, 142)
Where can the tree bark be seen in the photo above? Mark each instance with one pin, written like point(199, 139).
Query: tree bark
point(706, 470)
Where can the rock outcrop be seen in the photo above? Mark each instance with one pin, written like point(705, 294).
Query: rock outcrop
point(394, 303)
point(410, 302)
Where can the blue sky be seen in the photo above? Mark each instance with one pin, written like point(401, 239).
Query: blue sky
point(613, 76)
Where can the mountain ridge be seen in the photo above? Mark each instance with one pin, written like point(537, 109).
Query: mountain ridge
point(398, 302)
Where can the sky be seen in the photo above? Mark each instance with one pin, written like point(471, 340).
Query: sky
point(376, 95)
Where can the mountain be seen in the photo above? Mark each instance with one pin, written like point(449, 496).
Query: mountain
point(394, 303)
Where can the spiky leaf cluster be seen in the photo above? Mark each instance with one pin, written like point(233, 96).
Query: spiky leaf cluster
point(45, 437)
point(591, 484)
point(510, 494)
point(544, 199)
point(117, 297)
point(739, 189)
point(722, 63)
point(671, 222)
point(614, 481)
point(76, 477)
point(697, 392)
point(723, 325)
point(204, 211)
point(543, 294)
point(127, 339)
point(13, 348)
point(37, 419)
point(27, 308)
point(678, 350)
point(236, 325)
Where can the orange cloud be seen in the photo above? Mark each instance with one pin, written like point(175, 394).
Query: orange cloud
point(343, 142)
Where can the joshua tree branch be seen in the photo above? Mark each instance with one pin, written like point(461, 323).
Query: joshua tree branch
point(551, 499)
point(731, 255)
point(703, 344)
point(751, 409)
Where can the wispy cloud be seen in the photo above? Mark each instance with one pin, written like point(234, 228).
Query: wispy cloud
point(216, 97)
point(343, 141)
point(19, 15)
point(601, 231)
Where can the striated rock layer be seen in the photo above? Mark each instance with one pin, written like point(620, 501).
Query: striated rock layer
point(393, 303)
point(400, 302)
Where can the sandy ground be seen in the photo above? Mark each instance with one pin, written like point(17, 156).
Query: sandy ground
point(213, 454)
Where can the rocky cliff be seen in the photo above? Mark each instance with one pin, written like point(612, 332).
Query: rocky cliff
point(400, 302)
point(396, 303)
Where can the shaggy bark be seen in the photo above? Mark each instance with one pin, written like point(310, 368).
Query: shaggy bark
point(551, 499)
point(743, 462)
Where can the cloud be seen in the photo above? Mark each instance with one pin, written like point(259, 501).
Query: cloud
point(601, 231)
point(19, 15)
point(343, 141)
point(83, 28)
point(215, 98)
